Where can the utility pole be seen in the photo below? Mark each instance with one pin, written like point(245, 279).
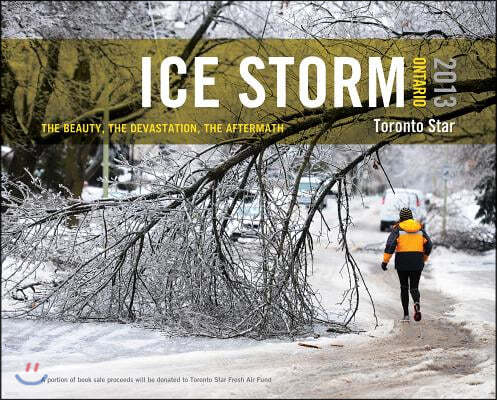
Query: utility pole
point(105, 161)
point(444, 220)
point(445, 177)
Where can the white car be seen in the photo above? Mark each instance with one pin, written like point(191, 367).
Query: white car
point(392, 203)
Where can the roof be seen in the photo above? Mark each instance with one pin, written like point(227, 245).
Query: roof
point(310, 179)
point(404, 190)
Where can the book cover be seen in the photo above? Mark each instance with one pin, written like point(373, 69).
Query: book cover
point(236, 199)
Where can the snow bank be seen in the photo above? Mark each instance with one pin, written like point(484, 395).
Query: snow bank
point(5, 150)
point(469, 280)
point(463, 230)
point(461, 211)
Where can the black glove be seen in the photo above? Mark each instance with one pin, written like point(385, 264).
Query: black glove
point(384, 266)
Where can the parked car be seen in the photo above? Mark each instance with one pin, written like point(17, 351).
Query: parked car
point(424, 198)
point(247, 220)
point(307, 191)
point(393, 202)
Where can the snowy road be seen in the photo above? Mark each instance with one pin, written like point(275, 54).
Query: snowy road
point(449, 354)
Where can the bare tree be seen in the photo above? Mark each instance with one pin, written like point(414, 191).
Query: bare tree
point(47, 87)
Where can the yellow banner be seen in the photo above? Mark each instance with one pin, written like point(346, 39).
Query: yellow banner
point(437, 90)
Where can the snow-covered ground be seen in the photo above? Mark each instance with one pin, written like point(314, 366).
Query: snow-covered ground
point(450, 353)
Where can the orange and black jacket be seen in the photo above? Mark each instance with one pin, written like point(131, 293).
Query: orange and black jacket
point(411, 245)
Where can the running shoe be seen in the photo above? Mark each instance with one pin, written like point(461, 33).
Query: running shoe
point(417, 312)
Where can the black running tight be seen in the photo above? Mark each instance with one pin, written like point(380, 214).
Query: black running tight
point(408, 279)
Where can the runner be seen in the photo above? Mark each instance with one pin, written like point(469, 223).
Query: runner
point(412, 246)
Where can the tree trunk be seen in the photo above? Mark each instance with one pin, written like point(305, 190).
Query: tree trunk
point(22, 160)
